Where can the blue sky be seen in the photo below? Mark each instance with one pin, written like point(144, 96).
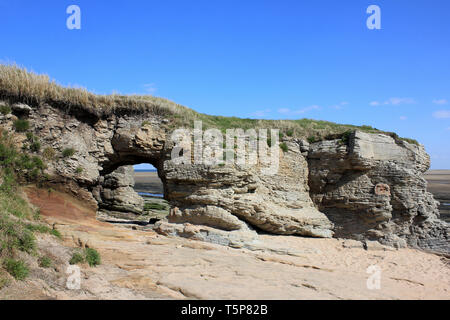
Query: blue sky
point(259, 59)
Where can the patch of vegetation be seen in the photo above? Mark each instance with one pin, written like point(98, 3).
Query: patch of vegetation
point(89, 255)
point(79, 170)
point(92, 257)
point(41, 228)
point(56, 233)
point(12, 204)
point(68, 152)
point(21, 125)
point(5, 110)
point(33, 89)
point(154, 206)
point(77, 257)
point(16, 226)
point(35, 145)
point(284, 147)
point(19, 85)
point(45, 262)
point(13, 236)
point(346, 137)
point(37, 215)
point(17, 268)
point(49, 153)
point(26, 241)
point(18, 165)
point(145, 123)
point(412, 141)
point(16, 230)
point(312, 139)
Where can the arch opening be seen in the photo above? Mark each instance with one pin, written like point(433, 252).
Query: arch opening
point(132, 193)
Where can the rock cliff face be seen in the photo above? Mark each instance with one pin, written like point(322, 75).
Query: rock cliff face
point(372, 187)
point(367, 187)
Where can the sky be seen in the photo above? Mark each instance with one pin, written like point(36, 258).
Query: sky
point(254, 59)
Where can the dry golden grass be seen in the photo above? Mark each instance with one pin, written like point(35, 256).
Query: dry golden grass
point(19, 85)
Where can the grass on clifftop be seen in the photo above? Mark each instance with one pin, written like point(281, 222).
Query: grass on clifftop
point(19, 85)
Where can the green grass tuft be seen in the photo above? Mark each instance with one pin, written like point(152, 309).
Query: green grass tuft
point(77, 257)
point(68, 152)
point(21, 125)
point(17, 268)
point(89, 255)
point(5, 110)
point(45, 262)
point(92, 257)
point(56, 233)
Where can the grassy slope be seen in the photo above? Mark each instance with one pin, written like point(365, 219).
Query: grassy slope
point(19, 85)
point(18, 221)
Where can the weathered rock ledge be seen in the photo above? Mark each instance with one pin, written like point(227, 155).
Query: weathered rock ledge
point(370, 186)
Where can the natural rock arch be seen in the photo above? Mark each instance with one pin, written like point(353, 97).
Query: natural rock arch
point(320, 189)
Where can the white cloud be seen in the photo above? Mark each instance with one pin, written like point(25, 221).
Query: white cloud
point(284, 110)
point(149, 88)
point(394, 101)
point(339, 106)
point(403, 118)
point(287, 111)
point(440, 101)
point(260, 113)
point(442, 114)
point(304, 110)
point(397, 101)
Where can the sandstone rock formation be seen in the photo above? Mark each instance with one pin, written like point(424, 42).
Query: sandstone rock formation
point(373, 188)
point(116, 192)
point(321, 189)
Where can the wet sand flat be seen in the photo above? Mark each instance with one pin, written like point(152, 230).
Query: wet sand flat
point(148, 182)
point(439, 186)
point(439, 183)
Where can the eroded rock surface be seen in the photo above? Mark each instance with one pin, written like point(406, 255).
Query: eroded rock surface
point(116, 192)
point(321, 189)
point(373, 188)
